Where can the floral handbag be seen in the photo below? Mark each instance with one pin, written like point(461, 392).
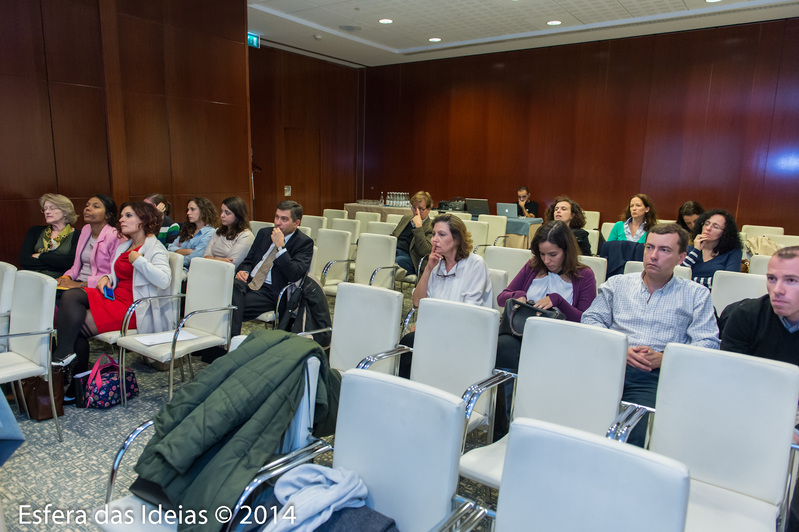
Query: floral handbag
point(103, 388)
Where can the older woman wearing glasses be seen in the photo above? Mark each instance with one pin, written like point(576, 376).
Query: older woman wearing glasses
point(50, 248)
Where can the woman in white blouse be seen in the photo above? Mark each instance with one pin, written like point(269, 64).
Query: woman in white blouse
point(233, 239)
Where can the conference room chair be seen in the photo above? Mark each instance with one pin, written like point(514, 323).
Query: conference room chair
point(7, 274)
point(374, 264)
point(593, 240)
point(306, 230)
point(759, 264)
point(569, 373)
point(366, 217)
point(479, 232)
point(206, 320)
point(499, 282)
point(465, 216)
point(256, 226)
point(564, 479)
point(395, 218)
point(334, 246)
point(455, 345)
point(729, 287)
point(314, 223)
point(510, 260)
point(332, 214)
point(402, 438)
point(636, 266)
point(30, 334)
point(729, 418)
point(599, 265)
point(758, 230)
point(591, 220)
point(497, 228)
point(606, 228)
point(380, 228)
point(785, 240)
point(661, 221)
point(344, 224)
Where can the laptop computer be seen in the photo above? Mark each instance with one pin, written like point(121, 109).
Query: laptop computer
point(507, 209)
point(476, 206)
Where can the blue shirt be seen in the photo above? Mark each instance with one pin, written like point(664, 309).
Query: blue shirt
point(197, 243)
point(680, 311)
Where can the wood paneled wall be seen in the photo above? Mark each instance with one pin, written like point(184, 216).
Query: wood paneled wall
point(304, 121)
point(709, 115)
point(122, 97)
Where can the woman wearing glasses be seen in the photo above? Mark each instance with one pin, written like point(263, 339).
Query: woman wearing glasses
point(717, 246)
point(50, 248)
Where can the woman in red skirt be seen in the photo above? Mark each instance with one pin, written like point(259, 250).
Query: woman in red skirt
point(140, 269)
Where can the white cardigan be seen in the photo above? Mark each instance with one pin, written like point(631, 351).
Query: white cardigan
point(152, 276)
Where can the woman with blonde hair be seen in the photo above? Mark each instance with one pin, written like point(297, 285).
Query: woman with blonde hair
point(50, 248)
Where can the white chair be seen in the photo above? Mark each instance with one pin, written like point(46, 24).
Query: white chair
point(497, 228)
point(729, 418)
point(479, 233)
point(306, 230)
point(591, 220)
point(30, 333)
point(343, 224)
point(607, 227)
point(634, 266)
point(256, 226)
point(374, 264)
point(757, 230)
point(366, 217)
point(729, 287)
point(759, 264)
point(207, 318)
point(499, 282)
point(176, 267)
point(334, 246)
point(510, 260)
point(465, 216)
point(569, 373)
point(599, 265)
point(314, 223)
point(365, 322)
point(7, 274)
point(380, 228)
point(396, 218)
point(568, 480)
point(662, 221)
point(593, 240)
point(785, 240)
point(332, 214)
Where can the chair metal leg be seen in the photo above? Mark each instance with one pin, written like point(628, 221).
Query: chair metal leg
point(52, 404)
point(171, 373)
point(21, 404)
point(122, 353)
point(182, 373)
point(191, 367)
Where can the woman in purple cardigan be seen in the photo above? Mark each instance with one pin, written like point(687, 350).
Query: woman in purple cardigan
point(96, 246)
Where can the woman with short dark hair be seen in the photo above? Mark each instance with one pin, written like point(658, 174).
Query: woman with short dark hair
point(569, 211)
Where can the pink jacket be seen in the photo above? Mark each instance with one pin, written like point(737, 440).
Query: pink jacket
point(102, 254)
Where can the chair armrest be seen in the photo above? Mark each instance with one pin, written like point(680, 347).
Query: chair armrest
point(406, 322)
point(374, 273)
point(371, 359)
point(315, 331)
point(500, 236)
point(132, 308)
point(118, 458)
point(276, 468)
point(627, 420)
point(188, 316)
point(50, 332)
point(473, 392)
point(328, 265)
point(465, 517)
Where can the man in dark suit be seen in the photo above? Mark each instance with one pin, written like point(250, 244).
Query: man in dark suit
point(413, 233)
point(278, 256)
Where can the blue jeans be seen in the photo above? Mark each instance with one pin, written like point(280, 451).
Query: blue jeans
point(404, 260)
point(640, 387)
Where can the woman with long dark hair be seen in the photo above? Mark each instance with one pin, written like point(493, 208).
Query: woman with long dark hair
point(639, 218)
point(233, 239)
point(201, 221)
point(717, 246)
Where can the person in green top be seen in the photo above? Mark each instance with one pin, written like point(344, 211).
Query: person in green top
point(169, 228)
point(50, 248)
point(639, 217)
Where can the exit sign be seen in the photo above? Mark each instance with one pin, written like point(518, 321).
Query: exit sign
point(254, 40)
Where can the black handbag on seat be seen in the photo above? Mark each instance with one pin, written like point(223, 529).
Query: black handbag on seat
point(516, 314)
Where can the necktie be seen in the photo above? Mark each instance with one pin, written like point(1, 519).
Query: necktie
point(259, 277)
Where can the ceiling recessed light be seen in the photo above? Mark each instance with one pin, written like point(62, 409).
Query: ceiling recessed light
point(385, 21)
point(434, 39)
point(554, 23)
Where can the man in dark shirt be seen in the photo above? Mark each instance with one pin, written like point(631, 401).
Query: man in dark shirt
point(414, 232)
point(526, 208)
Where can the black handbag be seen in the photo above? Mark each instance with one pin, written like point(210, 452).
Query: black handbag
point(516, 314)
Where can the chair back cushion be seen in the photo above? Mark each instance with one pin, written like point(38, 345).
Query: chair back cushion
point(728, 417)
point(333, 244)
point(571, 374)
point(375, 251)
point(404, 439)
point(510, 260)
point(210, 285)
point(729, 287)
point(7, 273)
point(32, 309)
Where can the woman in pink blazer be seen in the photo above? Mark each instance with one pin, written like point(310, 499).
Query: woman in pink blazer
point(96, 246)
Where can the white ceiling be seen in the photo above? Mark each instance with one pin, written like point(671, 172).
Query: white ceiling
point(467, 27)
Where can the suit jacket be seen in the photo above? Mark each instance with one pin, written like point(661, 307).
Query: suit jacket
point(420, 243)
point(102, 253)
point(288, 267)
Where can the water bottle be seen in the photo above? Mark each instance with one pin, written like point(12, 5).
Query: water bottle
point(381, 200)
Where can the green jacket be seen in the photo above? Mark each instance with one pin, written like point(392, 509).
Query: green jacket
point(219, 429)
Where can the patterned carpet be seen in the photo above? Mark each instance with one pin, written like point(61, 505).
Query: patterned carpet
point(73, 474)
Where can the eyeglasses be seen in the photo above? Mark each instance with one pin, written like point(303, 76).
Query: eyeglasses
point(50, 209)
point(715, 227)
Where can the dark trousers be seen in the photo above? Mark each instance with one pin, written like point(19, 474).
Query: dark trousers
point(640, 387)
point(406, 358)
point(404, 259)
point(250, 303)
point(73, 335)
point(508, 349)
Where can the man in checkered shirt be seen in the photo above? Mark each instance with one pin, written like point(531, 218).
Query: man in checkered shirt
point(654, 308)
